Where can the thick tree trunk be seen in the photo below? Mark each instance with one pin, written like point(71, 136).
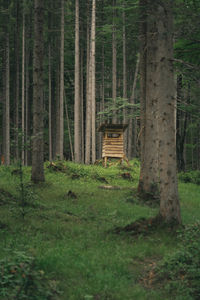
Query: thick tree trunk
point(37, 153)
point(169, 199)
point(77, 102)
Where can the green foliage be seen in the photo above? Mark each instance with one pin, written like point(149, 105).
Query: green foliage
point(22, 278)
point(132, 110)
point(71, 239)
point(180, 271)
point(191, 176)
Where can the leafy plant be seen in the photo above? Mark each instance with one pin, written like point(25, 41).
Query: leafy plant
point(180, 272)
point(191, 176)
point(22, 278)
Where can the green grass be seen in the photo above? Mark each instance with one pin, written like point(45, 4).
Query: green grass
point(73, 239)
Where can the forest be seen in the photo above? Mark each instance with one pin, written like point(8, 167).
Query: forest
point(75, 222)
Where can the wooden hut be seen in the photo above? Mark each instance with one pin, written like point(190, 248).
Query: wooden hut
point(113, 141)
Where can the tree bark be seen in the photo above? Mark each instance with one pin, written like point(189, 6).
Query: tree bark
point(169, 199)
point(7, 102)
point(62, 82)
point(37, 153)
point(114, 62)
point(77, 102)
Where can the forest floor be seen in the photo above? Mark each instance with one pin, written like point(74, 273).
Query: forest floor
point(62, 239)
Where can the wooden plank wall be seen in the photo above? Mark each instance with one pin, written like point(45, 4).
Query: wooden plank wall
point(113, 147)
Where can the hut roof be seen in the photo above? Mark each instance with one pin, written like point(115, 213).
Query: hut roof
point(107, 126)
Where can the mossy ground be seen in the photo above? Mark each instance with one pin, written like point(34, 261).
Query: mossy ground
point(69, 223)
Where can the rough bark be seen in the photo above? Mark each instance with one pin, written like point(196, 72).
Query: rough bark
point(169, 199)
point(37, 153)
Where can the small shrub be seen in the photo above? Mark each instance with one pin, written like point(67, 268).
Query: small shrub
point(22, 278)
point(181, 271)
point(192, 176)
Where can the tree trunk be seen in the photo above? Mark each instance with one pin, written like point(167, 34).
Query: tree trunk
point(37, 153)
point(7, 102)
point(132, 122)
point(50, 120)
point(114, 62)
point(88, 97)
point(169, 199)
point(124, 81)
point(62, 82)
point(23, 92)
point(77, 102)
point(93, 80)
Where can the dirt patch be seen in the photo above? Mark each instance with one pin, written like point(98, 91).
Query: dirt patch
point(146, 226)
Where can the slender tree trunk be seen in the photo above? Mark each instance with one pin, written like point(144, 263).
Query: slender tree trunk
point(88, 97)
point(69, 129)
point(37, 153)
point(28, 104)
point(50, 113)
point(93, 80)
point(124, 80)
point(62, 82)
point(114, 61)
point(132, 128)
point(17, 82)
point(82, 109)
point(23, 91)
point(77, 102)
point(7, 102)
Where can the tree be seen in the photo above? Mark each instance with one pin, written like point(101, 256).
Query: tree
point(37, 152)
point(77, 113)
point(158, 167)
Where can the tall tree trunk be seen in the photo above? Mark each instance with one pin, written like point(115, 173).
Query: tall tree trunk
point(169, 199)
point(62, 82)
point(50, 120)
point(23, 91)
point(27, 97)
point(17, 82)
point(148, 182)
point(114, 61)
point(124, 80)
point(37, 153)
point(88, 96)
point(82, 109)
point(7, 103)
point(132, 122)
point(77, 102)
point(93, 80)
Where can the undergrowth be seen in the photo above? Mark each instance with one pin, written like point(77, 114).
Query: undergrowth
point(179, 273)
point(65, 240)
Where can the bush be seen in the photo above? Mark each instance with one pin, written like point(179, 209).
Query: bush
point(192, 176)
point(181, 271)
point(22, 278)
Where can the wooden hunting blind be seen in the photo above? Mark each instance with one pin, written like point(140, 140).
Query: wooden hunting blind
point(113, 141)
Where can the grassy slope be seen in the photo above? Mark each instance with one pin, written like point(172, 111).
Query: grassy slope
point(72, 238)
